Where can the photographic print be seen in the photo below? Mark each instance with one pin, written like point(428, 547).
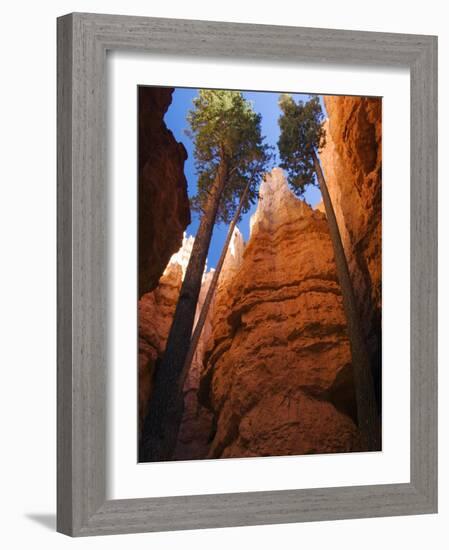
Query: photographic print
point(259, 275)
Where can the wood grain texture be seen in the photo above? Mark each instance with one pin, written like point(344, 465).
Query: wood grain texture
point(423, 276)
point(64, 277)
point(83, 40)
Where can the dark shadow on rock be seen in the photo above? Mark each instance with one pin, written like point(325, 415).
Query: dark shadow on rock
point(342, 393)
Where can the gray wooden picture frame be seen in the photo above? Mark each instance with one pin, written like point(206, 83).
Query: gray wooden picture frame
point(83, 40)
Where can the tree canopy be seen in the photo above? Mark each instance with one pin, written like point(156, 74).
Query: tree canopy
point(224, 127)
point(302, 132)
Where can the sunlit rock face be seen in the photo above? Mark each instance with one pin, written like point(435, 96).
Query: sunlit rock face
point(164, 210)
point(277, 374)
point(352, 161)
point(272, 373)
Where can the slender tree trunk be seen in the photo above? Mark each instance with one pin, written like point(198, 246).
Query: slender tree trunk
point(159, 432)
point(211, 291)
point(367, 415)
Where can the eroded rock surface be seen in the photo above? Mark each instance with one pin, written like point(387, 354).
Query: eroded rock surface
point(156, 310)
point(272, 374)
point(352, 163)
point(277, 372)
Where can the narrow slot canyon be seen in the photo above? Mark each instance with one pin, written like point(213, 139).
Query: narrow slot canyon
point(272, 374)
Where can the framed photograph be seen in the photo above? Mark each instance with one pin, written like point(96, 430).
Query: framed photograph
point(247, 274)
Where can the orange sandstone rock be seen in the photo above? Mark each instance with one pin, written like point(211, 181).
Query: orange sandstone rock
point(276, 370)
point(352, 163)
point(156, 310)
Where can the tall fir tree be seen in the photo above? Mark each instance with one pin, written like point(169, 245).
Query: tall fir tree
point(230, 155)
point(212, 287)
point(301, 139)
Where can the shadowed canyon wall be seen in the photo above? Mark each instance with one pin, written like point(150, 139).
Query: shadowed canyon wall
point(352, 164)
point(164, 210)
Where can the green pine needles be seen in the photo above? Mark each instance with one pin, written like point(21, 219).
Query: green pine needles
point(302, 133)
point(224, 127)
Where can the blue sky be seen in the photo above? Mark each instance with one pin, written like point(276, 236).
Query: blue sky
point(265, 103)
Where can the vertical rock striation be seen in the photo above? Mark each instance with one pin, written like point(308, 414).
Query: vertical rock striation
point(277, 370)
point(352, 162)
point(164, 210)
